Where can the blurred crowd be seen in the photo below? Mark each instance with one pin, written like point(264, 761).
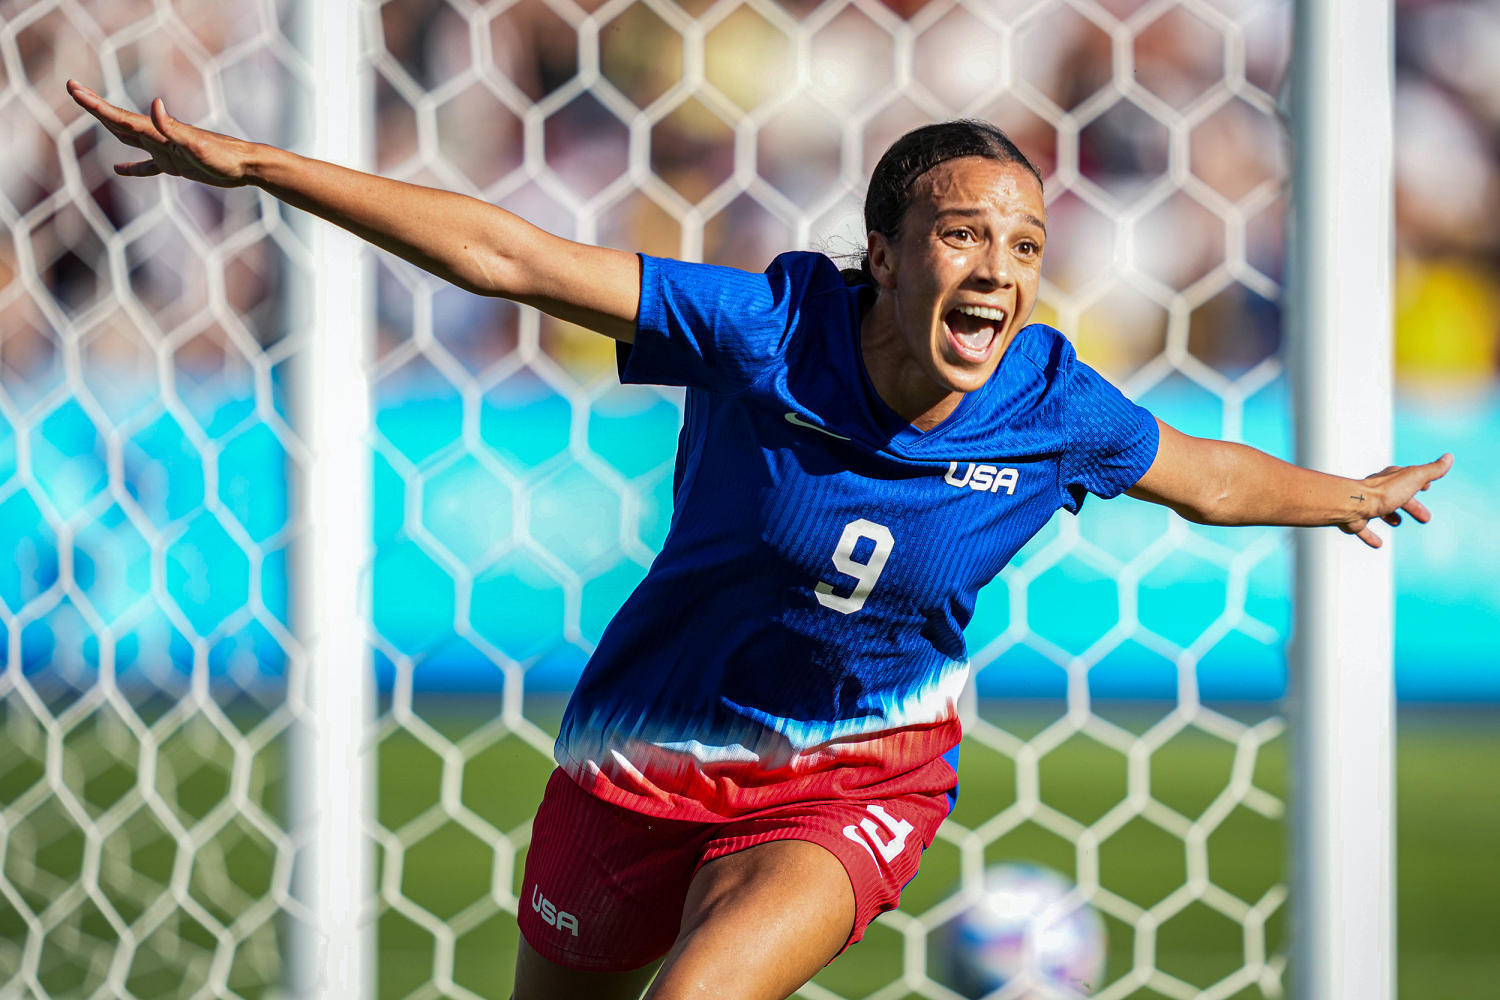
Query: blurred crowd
point(1151, 180)
point(1448, 191)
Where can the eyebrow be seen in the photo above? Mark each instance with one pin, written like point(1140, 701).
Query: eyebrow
point(970, 213)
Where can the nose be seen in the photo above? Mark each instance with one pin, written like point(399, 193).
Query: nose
point(993, 268)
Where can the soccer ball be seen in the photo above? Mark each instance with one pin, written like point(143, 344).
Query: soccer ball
point(1023, 926)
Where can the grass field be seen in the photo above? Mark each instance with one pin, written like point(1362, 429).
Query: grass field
point(1448, 877)
point(441, 879)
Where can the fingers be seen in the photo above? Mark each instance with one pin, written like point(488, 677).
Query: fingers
point(112, 118)
point(1397, 482)
point(1430, 473)
point(1435, 470)
point(94, 104)
point(1417, 509)
point(127, 126)
point(1439, 468)
point(140, 168)
point(165, 123)
point(1361, 530)
point(152, 134)
point(85, 98)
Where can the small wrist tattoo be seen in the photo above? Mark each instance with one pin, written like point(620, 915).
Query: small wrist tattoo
point(1360, 498)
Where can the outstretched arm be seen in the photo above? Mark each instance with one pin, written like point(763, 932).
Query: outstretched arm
point(1217, 482)
point(471, 243)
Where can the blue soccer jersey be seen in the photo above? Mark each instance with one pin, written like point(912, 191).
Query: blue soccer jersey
point(800, 635)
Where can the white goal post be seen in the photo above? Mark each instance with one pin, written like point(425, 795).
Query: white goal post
point(1341, 311)
point(333, 781)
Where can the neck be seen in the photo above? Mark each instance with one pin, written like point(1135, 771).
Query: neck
point(898, 378)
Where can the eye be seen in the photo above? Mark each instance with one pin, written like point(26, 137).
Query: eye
point(963, 236)
point(1028, 248)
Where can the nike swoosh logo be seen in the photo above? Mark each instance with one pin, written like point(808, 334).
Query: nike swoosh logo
point(793, 418)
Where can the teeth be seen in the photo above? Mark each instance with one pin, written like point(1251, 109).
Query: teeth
point(983, 312)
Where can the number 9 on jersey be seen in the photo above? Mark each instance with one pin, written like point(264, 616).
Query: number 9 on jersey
point(864, 573)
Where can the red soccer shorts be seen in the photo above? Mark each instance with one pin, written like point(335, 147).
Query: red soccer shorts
point(604, 886)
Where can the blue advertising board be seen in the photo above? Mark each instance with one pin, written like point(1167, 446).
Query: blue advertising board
point(518, 546)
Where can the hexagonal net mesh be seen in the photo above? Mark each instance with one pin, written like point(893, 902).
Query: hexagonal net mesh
point(1119, 729)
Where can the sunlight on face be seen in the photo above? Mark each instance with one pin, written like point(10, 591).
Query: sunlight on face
point(955, 285)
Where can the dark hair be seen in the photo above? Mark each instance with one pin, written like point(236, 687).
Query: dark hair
point(911, 156)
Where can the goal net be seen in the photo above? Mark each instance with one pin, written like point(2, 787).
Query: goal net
point(1122, 728)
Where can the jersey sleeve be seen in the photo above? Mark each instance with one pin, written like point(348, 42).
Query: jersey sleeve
point(1110, 442)
point(715, 328)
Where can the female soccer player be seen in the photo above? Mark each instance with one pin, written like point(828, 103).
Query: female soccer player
point(762, 745)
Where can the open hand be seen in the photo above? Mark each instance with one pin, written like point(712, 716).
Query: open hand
point(175, 147)
point(1392, 490)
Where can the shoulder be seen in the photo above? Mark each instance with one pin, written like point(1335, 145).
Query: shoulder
point(723, 328)
point(807, 266)
point(789, 278)
point(1044, 350)
point(811, 272)
point(818, 267)
point(1043, 367)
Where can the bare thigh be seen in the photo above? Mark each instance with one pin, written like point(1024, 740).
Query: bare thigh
point(538, 978)
point(758, 924)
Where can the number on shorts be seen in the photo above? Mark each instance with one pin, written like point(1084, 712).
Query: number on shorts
point(864, 573)
point(896, 829)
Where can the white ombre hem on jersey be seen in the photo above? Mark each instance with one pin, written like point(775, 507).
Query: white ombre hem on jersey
point(758, 761)
point(930, 703)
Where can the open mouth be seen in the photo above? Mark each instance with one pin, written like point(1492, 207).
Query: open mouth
point(974, 330)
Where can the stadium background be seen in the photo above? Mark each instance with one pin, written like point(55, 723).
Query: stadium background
point(148, 465)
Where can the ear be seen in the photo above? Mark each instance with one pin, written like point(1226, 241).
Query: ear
point(882, 259)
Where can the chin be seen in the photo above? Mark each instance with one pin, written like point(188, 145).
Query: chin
point(967, 376)
point(956, 379)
